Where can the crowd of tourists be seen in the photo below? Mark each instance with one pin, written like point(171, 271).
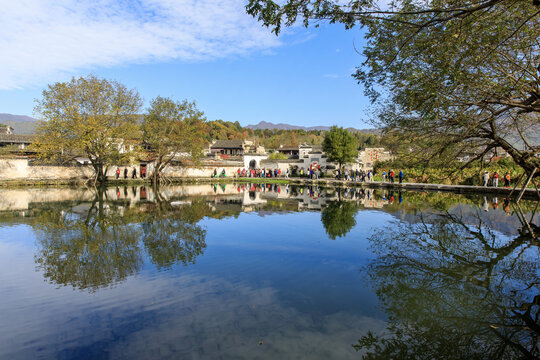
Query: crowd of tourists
point(313, 172)
point(133, 173)
point(367, 176)
point(255, 173)
point(493, 180)
point(354, 175)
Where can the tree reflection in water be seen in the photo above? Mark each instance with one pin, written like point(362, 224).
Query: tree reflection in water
point(171, 236)
point(338, 218)
point(455, 291)
point(106, 244)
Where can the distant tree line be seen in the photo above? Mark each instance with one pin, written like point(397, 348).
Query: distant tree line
point(273, 138)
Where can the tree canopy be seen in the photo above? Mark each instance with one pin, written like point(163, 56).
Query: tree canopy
point(461, 77)
point(87, 116)
point(340, 145)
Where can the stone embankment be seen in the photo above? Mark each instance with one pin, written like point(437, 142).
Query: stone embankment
point(460, 189)
point(18, 172)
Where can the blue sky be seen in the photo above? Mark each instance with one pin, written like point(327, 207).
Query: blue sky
point(209, 51)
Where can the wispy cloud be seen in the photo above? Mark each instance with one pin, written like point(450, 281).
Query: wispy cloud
point(41, 40)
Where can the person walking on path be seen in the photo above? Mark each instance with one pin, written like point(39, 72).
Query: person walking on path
point(507, 179)
point(495, 182)
point(117, 173)
point(384, 176)
point(400, 176)
point(125, 173)
point(392, 176)
point(134, 173)
point(485, 178)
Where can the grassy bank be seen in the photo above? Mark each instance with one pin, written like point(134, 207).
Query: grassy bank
point(452, 175)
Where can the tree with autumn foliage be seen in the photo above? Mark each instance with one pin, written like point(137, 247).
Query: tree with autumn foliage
point(87, 116)
point(171, 129)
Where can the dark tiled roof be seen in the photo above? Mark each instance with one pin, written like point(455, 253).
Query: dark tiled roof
point(313, 147)
point(16, 139)
point(287, 148)
point(227, 144)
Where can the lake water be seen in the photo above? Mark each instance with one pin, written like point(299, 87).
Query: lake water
point(256, 271)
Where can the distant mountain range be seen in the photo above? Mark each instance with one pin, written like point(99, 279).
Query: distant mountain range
point(263, 125)
point(26, 125)
point(21, 124)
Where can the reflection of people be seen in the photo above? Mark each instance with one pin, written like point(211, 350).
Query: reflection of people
point(143, 193)
point(506, 206)
point(485, 205)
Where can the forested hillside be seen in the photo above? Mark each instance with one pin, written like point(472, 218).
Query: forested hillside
point(271, 139)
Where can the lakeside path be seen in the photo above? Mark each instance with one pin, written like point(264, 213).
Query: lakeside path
point(530, 193)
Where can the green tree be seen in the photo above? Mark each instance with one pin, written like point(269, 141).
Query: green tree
point(340, 145)
point(459, 76)
point(90, 117)
point(170, 128)
point(277, 156)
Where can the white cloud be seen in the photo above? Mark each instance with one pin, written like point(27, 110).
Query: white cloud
point(41, 40)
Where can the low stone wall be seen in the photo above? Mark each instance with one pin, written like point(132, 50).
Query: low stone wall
point(19, 169)
point(205, 171)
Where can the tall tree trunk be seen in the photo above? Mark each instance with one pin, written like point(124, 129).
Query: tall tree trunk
point(101, 176)
point(157, 170)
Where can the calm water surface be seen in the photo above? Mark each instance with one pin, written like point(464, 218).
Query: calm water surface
point(266, 272)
